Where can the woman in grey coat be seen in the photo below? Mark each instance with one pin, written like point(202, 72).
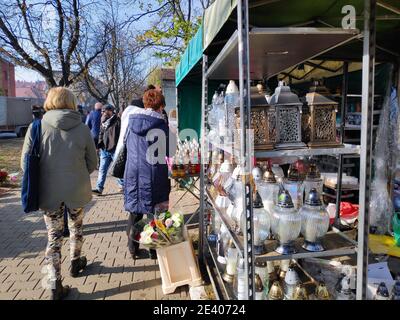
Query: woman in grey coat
point(67, 157)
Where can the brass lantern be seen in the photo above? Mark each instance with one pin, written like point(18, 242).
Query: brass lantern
point(288, 118)
point(262, 120)
point(322, 117)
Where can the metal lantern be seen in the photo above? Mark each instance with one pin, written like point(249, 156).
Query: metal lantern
point(288, 118)
point(322, 113)
point(315, 222)
point(262, 120)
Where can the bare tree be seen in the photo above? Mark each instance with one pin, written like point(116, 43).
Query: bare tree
point(117, 74)
point(45, 36)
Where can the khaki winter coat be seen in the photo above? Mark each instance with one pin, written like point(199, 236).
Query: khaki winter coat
point(67, 157)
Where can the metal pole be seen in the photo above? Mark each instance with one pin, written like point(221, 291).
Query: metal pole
point(368, 73)
point(245, 144)
point(202, 216)
point(342, 131)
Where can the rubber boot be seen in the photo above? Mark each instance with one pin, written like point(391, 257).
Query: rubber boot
point(60, 292)
point(77, 265)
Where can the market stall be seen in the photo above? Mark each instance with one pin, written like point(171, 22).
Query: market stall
point(269, 233)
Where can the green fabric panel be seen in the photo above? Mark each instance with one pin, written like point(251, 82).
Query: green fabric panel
point(214, 18)
point(190, 57)
point(189, 104)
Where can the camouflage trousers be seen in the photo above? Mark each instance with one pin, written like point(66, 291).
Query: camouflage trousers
point(55, 227)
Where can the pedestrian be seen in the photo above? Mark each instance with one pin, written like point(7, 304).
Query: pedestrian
point(82, 112)
point(93, 121)
point(37, 112)
point(147, 186)
point(108, 139)
point(67, 157)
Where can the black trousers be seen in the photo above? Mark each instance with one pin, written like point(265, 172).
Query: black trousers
point(132, 233)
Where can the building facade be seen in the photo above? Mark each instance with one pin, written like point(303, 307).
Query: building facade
point(7, 78)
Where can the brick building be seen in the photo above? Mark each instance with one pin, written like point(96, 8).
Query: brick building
point(7, 78)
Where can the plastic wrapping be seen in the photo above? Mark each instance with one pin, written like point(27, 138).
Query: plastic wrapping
point(381, 207)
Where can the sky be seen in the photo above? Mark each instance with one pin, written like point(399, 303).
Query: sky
point(147, 57)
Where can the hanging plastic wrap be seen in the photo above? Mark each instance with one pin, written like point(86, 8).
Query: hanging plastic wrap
point(380, 204)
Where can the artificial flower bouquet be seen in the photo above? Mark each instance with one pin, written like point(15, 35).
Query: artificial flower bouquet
point(160, 230)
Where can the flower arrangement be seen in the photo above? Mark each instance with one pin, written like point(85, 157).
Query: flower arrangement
point(8, 177)
point(160, 230)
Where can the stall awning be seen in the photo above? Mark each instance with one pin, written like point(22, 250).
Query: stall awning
point(191, 56)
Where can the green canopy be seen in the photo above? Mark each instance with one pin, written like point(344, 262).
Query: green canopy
point(220, 21)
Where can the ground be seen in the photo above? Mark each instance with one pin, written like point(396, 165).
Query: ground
point(111, 272)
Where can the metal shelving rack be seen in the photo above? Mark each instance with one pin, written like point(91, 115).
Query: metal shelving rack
point(240, 42)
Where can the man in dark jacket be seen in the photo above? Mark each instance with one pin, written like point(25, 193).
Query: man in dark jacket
point(108, 139)
point(93, 121)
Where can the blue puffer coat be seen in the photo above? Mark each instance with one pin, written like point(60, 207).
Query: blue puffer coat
point(145, 184)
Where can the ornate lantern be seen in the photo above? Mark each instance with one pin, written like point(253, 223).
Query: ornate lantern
point(315, 222)
point(288, 118)
point(262, 120)
point(322, 113)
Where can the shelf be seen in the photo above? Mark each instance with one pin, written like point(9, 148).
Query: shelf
point(334, 243)
point(353, 95)
point(350, 127)
point(346, 149)
point(272, 50)
point(229, 224)
point(375, 112)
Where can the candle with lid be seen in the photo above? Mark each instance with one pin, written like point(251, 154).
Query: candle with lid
point(315, 222)
point(286, 223)
point(313, 180)
point(294, 185)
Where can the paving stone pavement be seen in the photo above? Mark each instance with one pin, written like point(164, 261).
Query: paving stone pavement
point(111, 273)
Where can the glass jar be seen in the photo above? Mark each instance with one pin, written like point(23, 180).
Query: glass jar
point(260, 293)
point(313, 181)
point(261, 269)
point(294, 185)
point(268, 189)
point(382, 292)
point(261, 224)
point(239, 284)
point(286, 223)
point(291, 281)
point(395, 294)
point(231, 263)
point(223, 244)
point(315, 222)
point(343, 290)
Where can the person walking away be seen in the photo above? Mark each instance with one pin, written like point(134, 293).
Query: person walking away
point(37, 112)
point(67, 157)
point(93, 121)
point(147, 186)
point(82, 112)
point(108, 139)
